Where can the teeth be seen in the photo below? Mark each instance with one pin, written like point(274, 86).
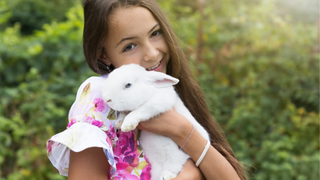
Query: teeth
point(153, 67)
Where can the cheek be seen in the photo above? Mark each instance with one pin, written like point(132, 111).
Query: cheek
point(164, 46)
point(129, 58)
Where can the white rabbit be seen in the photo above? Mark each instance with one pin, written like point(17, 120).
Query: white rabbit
point(146, 94)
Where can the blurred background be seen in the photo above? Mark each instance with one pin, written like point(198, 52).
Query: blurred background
point(257, 62)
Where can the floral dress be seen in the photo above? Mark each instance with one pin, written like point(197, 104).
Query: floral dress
point(92, 124)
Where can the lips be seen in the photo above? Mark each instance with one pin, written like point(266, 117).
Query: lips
point(157, 67)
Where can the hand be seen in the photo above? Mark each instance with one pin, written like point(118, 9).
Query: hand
point(190, 172)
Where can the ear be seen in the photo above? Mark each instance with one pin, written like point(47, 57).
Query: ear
point(160, 80)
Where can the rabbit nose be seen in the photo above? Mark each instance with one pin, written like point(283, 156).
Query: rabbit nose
point(109, 100)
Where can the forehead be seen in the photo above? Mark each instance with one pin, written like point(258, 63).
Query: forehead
point(131, 21)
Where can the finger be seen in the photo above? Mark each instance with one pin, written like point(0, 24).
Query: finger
point(145, 125)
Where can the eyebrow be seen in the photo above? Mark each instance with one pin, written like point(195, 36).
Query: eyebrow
point(129, 38)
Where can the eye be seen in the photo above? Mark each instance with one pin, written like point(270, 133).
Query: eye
point(156, 33)
point(128, 47)
point(128, 85)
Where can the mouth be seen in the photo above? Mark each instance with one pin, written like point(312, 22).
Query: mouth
point(156, 67)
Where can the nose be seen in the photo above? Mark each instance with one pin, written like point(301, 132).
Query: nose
point(151, 52)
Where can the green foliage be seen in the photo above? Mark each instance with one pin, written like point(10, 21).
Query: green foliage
point(4, 12)
point(33, 14)
point(259, 72)
point(39, 78)
point(261, 81)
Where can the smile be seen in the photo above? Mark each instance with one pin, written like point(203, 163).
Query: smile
point(154, 67)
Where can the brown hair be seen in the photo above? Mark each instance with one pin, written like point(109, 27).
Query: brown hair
point(96, 13)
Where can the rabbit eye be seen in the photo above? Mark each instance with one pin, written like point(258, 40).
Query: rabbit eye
point(128, 85)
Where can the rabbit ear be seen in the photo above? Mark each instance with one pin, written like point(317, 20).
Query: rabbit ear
point(159, 79)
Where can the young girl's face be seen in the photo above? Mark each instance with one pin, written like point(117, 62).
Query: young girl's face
point(134, 36)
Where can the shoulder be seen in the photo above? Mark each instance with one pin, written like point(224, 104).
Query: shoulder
point(91, 84)
point(89, 102)
point(96, 80)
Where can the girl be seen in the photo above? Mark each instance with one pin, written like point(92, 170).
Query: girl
point(118, 32)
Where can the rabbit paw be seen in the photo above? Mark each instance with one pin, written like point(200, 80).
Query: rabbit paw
point(118, 124)
point(167, 175)
point(129, 125)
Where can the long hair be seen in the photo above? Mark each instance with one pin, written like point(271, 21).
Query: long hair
point(96, 16)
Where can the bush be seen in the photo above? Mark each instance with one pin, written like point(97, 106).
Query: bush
point(258, 69)
point(39, 78)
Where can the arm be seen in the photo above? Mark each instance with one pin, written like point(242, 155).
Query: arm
point(190, 172)
point(88, 164)
point(213, 165)
point(92, 164)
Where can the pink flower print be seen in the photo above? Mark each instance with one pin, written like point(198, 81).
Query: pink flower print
point(131, 160)
point(111, 133)
point(122, 167)
point(125, 152)
point(135, 162)
point(145, 175)
point(126, 142)
point(124, 172)
point(49, 146)
point(92, 121)
point(126, 177)
point(72, 121)
point(100, 105)
point(89, 99)
point(123, 140)
point(87, 119)
point(97, 123)
point(109, 141)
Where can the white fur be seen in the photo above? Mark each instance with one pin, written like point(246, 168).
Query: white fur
point(151, 93)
